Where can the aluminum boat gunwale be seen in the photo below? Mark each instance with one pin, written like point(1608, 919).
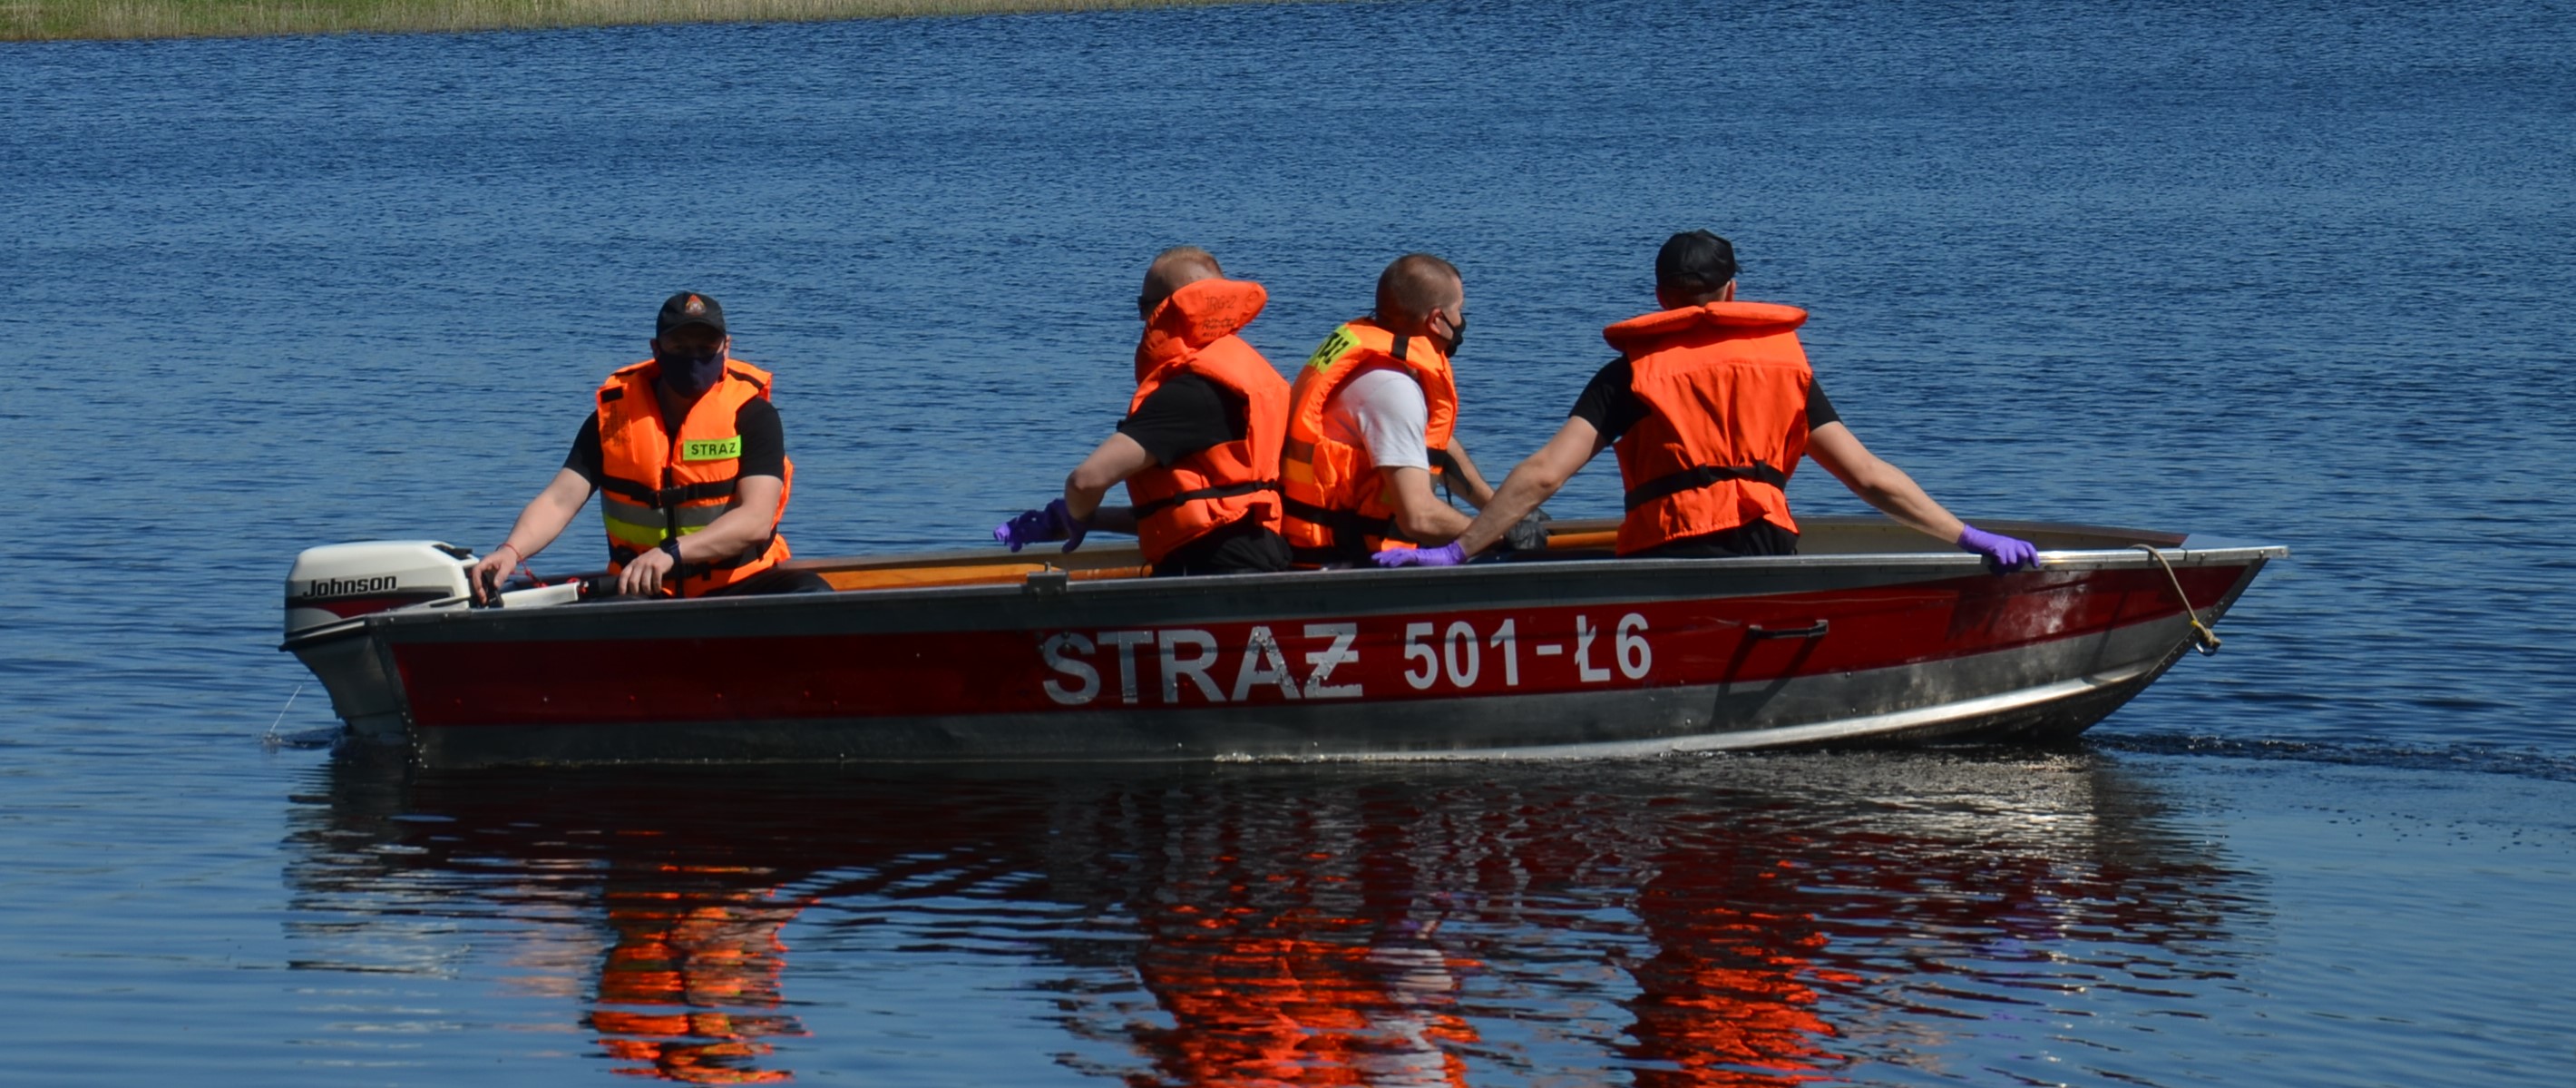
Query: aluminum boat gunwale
point(1175, 600)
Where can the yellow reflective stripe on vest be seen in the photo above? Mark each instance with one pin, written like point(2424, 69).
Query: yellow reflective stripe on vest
point(645, 527)
point(711, 449)
point(641, 536)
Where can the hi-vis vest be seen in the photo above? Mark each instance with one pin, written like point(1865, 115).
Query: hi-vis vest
point(1339, 507)
point(1724, 386)
point(1193, 332)
point(655, 485)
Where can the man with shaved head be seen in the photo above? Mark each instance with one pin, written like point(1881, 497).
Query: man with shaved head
point(1199, 449)
point(1372, 424)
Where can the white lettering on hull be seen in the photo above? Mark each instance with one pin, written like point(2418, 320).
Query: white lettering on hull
point(1584, 670)
point(1086, 680)
point(1264, 666)
point(1126, 642)
point(1319, 682)
point(1187, 661)
point(1195, 666)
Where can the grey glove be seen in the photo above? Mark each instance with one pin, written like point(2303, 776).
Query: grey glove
point(1529, 534)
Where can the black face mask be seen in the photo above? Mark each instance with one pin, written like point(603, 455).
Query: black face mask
point(690, 373)
point(1457, 335)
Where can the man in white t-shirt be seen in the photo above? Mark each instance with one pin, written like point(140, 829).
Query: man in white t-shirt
point(1372, 424)
point(1382, 410)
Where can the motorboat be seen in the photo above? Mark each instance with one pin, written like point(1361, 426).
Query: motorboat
point(1865, 637)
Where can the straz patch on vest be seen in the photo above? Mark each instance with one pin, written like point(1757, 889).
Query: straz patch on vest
point(711, 449)
point(1342, 340)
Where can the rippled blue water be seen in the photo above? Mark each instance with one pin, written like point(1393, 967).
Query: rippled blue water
point(2285, 272)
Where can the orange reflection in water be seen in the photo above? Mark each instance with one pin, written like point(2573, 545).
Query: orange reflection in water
point(1291, 999)
point(695, 961)
point(1291, 930)
point(1727, 1000)
point(1319, 959)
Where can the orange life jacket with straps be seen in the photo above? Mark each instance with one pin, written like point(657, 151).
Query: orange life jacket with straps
point(1724, 386)
point(1339, 507)
point(655, 485)
point(1193, 332)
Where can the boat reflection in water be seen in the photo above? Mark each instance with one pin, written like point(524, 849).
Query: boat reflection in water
point(1730, 921)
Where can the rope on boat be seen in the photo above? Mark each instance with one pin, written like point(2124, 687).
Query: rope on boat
point(272, 740)
point(2203, 639)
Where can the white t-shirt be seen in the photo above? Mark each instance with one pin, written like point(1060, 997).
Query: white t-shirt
point(1381, 410)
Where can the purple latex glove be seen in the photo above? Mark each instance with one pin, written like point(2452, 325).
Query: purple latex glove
point(2002, 553)
point(1053, 523)
point(1446, 555)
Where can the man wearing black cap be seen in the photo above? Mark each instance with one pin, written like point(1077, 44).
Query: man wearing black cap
point(692, 465)
point(1711, 405)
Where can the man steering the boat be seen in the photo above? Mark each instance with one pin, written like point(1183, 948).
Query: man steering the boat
point(1199, 448)
point(1710, 405)
point(1372, 424)
point(691, 463)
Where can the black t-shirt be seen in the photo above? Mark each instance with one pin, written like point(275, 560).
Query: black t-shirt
point(1185, 414)
point(1611, 406)
point(764, 443)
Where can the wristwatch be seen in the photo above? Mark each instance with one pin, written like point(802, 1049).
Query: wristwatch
point(670, 546)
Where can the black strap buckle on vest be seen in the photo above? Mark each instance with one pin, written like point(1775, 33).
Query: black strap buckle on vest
point(663, 498)
point(1225, 491)
point(1350, 533)
point(1692, 479)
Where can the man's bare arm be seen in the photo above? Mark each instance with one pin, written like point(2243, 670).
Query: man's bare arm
point(1109, 465)
point(1420, 515)
point(752, 519)
point(1880, 484)
point(540, 522)
point(1532, 482)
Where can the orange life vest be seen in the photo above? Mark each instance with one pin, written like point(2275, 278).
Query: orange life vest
point(1724, 386)
point(655, 485)
point(1193, 332)
point(1339, 507)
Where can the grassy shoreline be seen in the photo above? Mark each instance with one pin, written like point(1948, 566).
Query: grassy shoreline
point(105, 20)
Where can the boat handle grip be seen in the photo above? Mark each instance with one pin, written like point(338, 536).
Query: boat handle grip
point(1813, 630)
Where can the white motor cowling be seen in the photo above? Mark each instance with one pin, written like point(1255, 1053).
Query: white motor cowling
point(337, 581)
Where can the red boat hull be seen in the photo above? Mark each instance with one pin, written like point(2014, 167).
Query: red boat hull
point(1595, 656)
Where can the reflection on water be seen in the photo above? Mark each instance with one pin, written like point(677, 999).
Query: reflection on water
point(691, 986)
point(1741, 921)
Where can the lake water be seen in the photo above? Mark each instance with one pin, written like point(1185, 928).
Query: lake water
point(2293, 273)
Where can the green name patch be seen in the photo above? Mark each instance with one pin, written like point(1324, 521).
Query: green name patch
point(711, 449)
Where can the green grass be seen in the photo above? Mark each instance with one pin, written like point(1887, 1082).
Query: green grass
point(59, 20)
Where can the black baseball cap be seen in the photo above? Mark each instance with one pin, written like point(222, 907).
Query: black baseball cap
point(689, 308)
point(1696, 260)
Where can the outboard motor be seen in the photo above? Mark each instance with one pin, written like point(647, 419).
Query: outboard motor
point(337, 581)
